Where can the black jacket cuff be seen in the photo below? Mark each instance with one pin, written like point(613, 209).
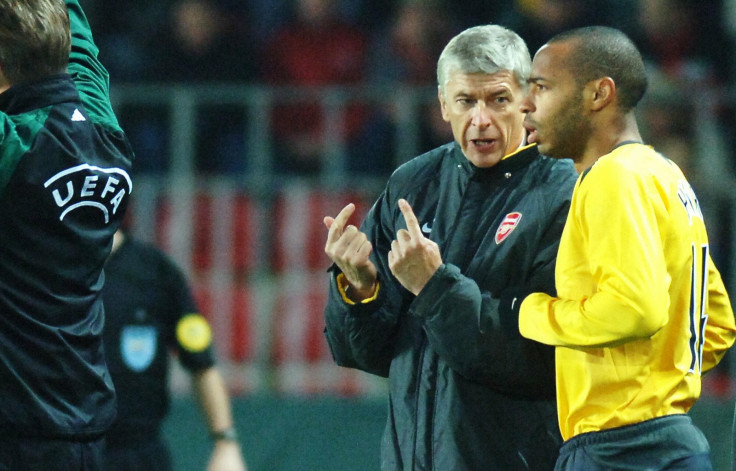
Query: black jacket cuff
point(508, 308)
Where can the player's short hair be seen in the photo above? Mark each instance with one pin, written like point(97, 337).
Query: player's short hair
point(485, 49)
point(35, 39)
point(602, 51)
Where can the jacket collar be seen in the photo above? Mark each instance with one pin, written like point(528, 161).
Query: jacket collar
point(518, 159)
point(45, 92)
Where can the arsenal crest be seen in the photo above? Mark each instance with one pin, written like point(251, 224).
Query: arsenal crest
point(508, 224)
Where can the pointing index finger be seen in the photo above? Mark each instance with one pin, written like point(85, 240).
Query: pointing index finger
point(412, 224)
point(338, 224)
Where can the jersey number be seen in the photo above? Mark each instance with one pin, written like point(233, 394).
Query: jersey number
point(698, 317)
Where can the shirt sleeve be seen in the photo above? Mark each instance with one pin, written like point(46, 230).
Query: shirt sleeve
point(192, 333)
point(615, 224)
point(90, 76)
point(10, 154)
point(720, 330)
point(361, 335)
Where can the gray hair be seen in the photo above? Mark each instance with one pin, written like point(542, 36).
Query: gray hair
point(485, 49)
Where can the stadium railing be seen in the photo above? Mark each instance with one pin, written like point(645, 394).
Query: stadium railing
point(250, 238)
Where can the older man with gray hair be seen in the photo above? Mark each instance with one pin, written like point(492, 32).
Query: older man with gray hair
point(415, 293)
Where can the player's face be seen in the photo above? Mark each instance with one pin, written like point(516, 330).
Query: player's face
point(483, 111)
point(555, 118)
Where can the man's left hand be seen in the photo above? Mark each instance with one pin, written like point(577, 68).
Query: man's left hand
point(413, 258)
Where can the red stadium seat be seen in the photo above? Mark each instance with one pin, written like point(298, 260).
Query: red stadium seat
point(202, 222)
point(231, 313)
point(298, 319)
point(245, 232)
point(300, 354)
point(300, 233)
point(224, 230)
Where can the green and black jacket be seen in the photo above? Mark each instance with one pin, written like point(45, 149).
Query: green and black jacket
point(64, 187)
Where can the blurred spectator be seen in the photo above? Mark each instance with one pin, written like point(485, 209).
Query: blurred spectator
point(477, 12)
point(267, 16)
point(689, 42)
point(270, 16)
point(729, 27)
point(407, 48)
point(203, 41)
point(668, 122)
point(434, 130)
point(404, 53)
point(373, 15)
point(122, 31)
point(686, 38)
point(538, 20)
point(316, 47)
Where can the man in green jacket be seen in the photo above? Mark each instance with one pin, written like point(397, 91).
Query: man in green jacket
point(64, 186)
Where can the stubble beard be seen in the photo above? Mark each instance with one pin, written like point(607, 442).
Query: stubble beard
point(569, 130)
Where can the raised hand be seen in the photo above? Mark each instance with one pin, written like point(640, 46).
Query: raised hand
point(350, 249)
point(413, 258)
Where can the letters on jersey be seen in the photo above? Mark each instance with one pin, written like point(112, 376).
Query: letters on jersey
point(689, 200)
point(89, 186)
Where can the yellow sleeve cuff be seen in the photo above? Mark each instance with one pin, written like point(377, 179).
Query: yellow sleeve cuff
point(342, 287)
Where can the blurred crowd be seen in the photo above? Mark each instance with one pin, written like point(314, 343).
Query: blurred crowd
point(385, 44)
point(382, 43)
point(307, 41)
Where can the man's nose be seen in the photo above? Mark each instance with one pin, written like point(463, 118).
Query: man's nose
point(526, 105)
point(481, 115)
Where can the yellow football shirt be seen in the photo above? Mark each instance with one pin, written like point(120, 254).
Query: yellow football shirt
point(641, 310)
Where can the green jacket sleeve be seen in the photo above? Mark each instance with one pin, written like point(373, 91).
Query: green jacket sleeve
point(89, 74)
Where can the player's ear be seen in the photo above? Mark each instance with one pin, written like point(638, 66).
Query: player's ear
point(443, 104)
point(599, 93)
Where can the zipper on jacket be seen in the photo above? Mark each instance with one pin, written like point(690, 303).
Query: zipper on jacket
point(430, 400)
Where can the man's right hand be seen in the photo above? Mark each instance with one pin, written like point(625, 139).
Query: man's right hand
point(350, 249)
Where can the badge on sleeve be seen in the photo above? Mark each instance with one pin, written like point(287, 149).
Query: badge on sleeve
point(138, 346)
point(193, 333)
